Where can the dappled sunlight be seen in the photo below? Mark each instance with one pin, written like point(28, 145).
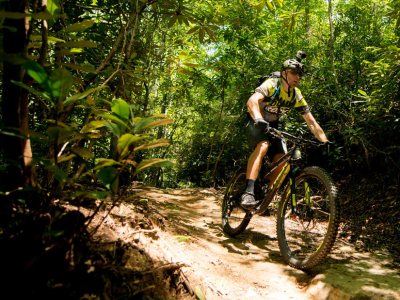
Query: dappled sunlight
point(193, 233)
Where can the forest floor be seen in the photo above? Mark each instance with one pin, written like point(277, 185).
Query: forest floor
point(176, 235)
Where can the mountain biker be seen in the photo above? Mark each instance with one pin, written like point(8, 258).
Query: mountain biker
point(274, 97)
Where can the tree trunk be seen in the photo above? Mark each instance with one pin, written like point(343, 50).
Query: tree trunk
point(331, 48)
point(14, 43)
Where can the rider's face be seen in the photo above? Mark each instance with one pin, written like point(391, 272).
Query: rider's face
point(293, 78)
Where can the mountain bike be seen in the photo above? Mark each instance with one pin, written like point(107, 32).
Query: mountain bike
point(308, 207)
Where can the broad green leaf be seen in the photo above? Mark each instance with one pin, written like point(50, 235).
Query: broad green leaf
point(50, 39)
point(79, 26)
point(144, 123)
point(80, 44)
point(64, 158)
point(76, 97)
point(121, 108)
point(93, 125)
point(153, 162)
point(153, 144)
point(116, 129)
point(39, 94)
point(82, 152)
point(125, 141)
point(115, 119)
point(61, 81)
point(109, 177)
point(158, 123)
point(36, 71)
point(84, 68)
point(105, 162)
point(53, 6)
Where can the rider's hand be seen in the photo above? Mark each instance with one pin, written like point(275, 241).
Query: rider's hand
point(261, 124)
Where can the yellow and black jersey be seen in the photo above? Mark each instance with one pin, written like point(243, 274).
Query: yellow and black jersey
point(277, 101)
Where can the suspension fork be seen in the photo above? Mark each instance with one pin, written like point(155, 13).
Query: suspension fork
point(292, 179)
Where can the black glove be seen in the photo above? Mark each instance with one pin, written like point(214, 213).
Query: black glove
point(261, 124)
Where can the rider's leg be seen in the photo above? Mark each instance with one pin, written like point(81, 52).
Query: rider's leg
point(255, 160)
point(253, 169)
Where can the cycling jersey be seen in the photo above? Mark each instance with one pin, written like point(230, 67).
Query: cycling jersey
point(277, 101)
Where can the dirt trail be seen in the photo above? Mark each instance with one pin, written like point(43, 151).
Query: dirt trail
point(188, 232)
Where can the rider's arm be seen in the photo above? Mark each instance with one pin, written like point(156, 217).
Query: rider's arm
point(254, 104)
point(314, 127)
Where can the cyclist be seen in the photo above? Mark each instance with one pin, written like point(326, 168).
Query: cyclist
point(274, 97)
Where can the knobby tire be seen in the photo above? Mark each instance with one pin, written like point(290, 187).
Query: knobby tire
point(306, 237)
point(234, 218)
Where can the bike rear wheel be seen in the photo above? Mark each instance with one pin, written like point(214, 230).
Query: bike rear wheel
point(306, 235)
point(234, 218)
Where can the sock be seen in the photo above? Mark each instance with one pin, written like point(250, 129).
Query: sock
point(250, 186)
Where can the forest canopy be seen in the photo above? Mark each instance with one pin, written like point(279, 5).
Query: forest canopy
point(190, 67)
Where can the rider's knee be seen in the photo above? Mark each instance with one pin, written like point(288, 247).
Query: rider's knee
point(262, 148)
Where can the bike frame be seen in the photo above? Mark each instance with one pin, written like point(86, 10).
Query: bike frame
point(287, 171)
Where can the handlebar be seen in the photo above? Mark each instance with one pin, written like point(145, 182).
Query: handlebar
point(295, 139)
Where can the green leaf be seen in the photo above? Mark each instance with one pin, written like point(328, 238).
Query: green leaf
point(60, 83)
point(79, 26)
point(109, 177)
point(39, 94)
point(82, 152)
point(158, 123)
point(121, 108)
point(153, 144)
point(153, 162)
point(105, 162)
point(76, 97)
point(362, 92)
point(53, 6)
point(50, 39)
point(64, 158)
point(84, 68)
point(93, 125)
point(80, 44)
point(115, 119)
point(125, 141)
point(36, 71)
point(144, 123)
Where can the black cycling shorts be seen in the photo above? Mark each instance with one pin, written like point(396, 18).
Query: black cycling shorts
point(256, 136)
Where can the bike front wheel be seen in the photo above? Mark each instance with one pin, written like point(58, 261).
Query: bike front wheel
point(307, 229)
point(234, 218)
